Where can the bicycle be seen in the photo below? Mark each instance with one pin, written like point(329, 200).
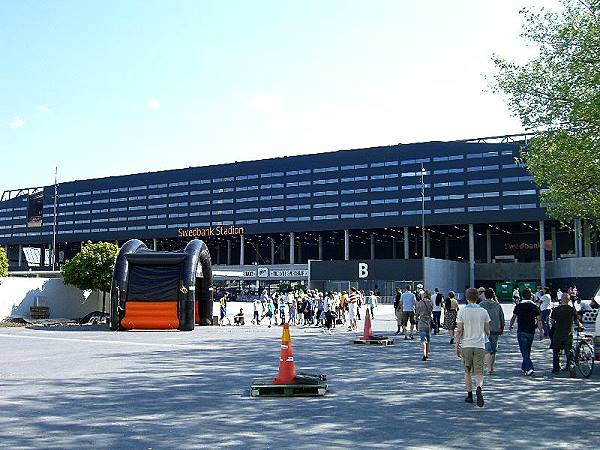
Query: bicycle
point(584, 353)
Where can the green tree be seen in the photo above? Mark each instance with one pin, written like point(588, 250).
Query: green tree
point(557, 95)
point(92, 268)
point(3, 263)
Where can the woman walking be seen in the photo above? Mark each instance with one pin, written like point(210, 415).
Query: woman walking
point(352, 305)
point(450, 313)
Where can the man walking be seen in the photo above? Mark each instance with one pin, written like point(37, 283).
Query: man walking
point(528, 315)
point(408, 300)
point(496, 328)
point(563, 317)
point(423, 311)
point(473, 325)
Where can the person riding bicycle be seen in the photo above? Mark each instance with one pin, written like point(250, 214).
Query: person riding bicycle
point(562, 319)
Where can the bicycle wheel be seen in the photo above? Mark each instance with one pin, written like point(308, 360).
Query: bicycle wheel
point(584, 358)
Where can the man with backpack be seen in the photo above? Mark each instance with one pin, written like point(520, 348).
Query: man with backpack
point(496, 314)
point(438, 301)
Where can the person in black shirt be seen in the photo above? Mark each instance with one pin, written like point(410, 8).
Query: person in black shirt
point(528, 315)
point(562, 319)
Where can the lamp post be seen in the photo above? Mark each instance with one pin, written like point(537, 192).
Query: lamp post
point(55, 219)
point(423, 220)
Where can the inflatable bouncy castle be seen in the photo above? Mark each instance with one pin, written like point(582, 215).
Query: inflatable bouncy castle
point(154, 290)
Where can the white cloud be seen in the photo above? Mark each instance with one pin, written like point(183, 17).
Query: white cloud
point(42, 108)
point(17, 123)
point(265, 103)
point(152, 103)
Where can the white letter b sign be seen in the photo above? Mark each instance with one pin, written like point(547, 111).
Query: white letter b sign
point(363, 270)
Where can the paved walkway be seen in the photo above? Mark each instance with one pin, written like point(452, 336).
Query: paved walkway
point(89, 387)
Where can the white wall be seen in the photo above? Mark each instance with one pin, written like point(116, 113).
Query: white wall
point(18, 294)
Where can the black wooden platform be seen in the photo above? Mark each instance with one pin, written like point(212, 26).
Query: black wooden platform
point(266, 388)
point(374, 340)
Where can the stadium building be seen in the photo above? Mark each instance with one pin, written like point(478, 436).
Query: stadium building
point(450, 213)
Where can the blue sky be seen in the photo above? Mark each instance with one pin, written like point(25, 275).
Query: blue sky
point(102, 88)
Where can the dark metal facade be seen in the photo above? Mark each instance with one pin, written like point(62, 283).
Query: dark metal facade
point(465, 182)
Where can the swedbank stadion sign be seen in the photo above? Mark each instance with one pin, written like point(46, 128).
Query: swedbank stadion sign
point(210, 231)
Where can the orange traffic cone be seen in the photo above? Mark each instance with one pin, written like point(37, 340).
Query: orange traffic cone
point(287, 369)
point(368, 333)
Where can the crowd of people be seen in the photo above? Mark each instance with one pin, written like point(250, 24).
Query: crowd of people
point(473, 328)
point(311, 308)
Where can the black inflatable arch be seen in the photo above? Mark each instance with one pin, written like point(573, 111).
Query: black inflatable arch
point(161, 290)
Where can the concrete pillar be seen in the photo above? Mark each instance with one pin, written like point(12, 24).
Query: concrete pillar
point(228, 252)
point(488, 245)
point(299, 251)
point(320, 247)
point(553, 237)
point(272, 251)
point(471, 256)
point(241, 249)
point(394, 248)
point(542, 255)
point(587, 240)
point(427, 243)
point(372, 245)
point(346, 245)
point(578, 239)
point(20, 255)
point(155, 244)
point(406, 249)
point(218, 254)
point(446, 247)
point(292, 248)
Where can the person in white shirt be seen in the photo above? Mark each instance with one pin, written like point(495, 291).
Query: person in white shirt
point(545, 308)
point(372, 303)
point(559, 295)
point(473, 326)
point(258, 307)
point(516, 295)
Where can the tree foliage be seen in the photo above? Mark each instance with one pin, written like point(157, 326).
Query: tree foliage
point(3, 263)
point(557, 95)
point(92, 267)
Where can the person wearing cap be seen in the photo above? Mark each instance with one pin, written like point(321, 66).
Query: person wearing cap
point(563, 317)
point(473, 325)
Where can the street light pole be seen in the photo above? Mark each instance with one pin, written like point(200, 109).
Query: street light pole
point(423, 220)
point(54, 223)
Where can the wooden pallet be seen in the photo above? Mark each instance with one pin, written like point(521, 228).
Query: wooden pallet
point(374, 340)
point(266, 388)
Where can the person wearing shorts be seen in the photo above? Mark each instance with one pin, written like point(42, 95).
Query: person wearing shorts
point(423, 310)
point(408, 301)
point(473, 326)
point(494, 309)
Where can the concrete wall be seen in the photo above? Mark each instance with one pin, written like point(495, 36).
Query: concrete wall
point(508, 271)
point(18, 294)
point(446, 275)
point(574, 268)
